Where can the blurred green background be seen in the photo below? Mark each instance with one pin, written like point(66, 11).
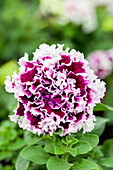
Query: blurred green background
point(23, 28)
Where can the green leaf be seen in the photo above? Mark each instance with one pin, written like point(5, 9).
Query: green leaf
point(7, 69)
point(35, 154)
point(37, 167)
point(97, 152)
point(99, 125)
point(109, 115)
point(18, 144)
point(108, 148)
point(12, 134)
point(21, 164)
point(100, 168)
point(108, 162)
point(71, 140)
point(58, 132)
point(6, 167)
point(84, 164)
point(42, 140)
point(109, 101)
point(90, 138)
point(72, 151)
point(55, 164)
point(49, 147)
point(64, 141)
point(5, 155)
point(102, 107)
point(58, 150)
point(82, 147)
point(30, 138)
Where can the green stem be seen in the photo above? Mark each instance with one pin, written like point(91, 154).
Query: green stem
point(65, 157)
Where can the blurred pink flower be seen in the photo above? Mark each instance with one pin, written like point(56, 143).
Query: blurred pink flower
point(101, 62)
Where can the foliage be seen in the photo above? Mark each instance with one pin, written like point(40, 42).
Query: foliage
point(76, 151)
point(11, 141)
point(7, 104)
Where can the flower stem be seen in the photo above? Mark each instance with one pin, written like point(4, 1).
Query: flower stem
point(65, 157)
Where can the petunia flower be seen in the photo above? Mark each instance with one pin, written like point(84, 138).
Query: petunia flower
point(55, 90)
point(101, 62)
point(81, 12)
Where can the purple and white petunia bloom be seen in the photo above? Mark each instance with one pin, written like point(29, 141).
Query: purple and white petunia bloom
point(101, 62)
point(55, 90)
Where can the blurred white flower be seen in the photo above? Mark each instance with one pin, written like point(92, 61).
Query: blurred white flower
point(81, 12)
